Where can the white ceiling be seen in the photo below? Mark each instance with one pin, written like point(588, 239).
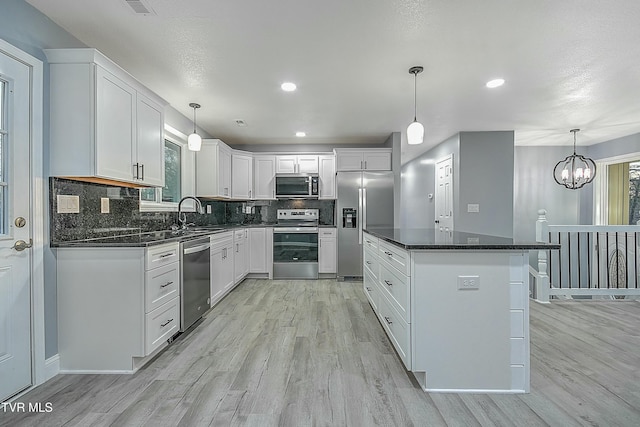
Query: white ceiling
point(569, 63)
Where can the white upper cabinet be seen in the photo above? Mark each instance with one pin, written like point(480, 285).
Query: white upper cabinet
point(241, 175)
point(327, 165)
point(264, 173)
point(104, 124)
point(303, 163)
point(375, 159)
point(213, 169)
point(150, 154)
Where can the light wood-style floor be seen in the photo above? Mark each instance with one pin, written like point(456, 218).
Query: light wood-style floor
point(303, 353)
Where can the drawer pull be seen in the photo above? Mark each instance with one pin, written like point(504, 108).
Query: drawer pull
point(388, 253)
point(165, 255)
point(368, 289)
point(166, 284)
point(368, 262)
point(388, 283)
point(166, 323)
point(389, 322)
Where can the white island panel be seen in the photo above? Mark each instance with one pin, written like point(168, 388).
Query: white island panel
point(470, 340)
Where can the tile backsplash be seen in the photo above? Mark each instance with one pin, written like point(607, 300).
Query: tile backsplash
point(124, 215)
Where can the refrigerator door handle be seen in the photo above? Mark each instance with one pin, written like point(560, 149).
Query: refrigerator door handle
point(359, 217)
point(364, 209)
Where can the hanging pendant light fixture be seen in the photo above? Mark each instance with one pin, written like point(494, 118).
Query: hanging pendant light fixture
point(415, 131)
point(194, 141)
point(575, 171)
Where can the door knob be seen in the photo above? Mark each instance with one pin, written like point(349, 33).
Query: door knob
point(21, 245)
point(20, 222)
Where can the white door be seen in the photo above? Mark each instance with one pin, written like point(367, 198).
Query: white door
point(264, 177)
point(15, 228)
point(444, 194)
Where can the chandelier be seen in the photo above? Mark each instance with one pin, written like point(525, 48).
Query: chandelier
point(576, 170)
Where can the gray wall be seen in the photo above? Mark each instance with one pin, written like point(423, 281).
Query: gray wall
point(482, 174)
point(485, 177)
point(29, 30)
point(535, 188)
point(418, 180)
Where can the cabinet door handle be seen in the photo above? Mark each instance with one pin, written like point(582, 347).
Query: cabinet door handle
point(365, 164)
point(237, 247)
point(249, 193)
point(166, 323)
point(166, 284)
point(361, 167)
point(389, 322)
point(368, 289)
point(388, 253)
point(136, 172)
point(142, 169)
point(388, 283)
point(368, 262)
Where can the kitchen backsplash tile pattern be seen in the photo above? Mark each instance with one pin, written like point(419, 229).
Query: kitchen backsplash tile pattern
point(124, 215)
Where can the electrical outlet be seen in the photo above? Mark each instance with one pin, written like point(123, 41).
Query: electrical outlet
point(68, 204)
point(473, 208)
point(468, 282)
point(104, 205)
point(208, 209)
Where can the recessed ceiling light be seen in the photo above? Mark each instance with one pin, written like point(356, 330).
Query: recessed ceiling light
point(495, 83)
point(301, 134)
point(288, 86)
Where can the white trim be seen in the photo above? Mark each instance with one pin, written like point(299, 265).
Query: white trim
point(52, 367)
point(37, 211)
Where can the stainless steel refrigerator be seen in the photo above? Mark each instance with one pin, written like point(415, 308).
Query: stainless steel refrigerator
point(365, 199)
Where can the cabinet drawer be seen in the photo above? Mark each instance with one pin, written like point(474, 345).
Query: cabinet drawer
point(396, 288)
point(240, 234)
point(221, 240)
point(162, 255)
point(371, 262)
point(161, 324)
point(370, 242)
point(395, 257)
point(397, 329)
point(161, 285)
point(327, 232)
point(371, 289)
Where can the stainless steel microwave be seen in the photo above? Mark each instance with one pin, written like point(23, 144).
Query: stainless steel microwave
point(297, 186)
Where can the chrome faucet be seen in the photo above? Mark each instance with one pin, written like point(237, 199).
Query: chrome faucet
point(182, 216)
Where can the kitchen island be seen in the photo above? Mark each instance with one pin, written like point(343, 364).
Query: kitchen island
point(455, 306)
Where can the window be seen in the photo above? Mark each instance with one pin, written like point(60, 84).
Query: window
point(172, 190)
point(624, 193)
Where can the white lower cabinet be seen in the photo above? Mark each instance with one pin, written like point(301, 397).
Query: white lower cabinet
point(241, 254)
point(116, 306)
point(387, 287)
point(327, 249)
point(260, 250)
point(222, 275)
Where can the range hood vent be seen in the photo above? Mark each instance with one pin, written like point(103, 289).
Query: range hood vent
point(139, 7)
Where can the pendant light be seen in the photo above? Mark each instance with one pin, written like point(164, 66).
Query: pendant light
point(575, 171)
point(415, 131)
point(194, 141)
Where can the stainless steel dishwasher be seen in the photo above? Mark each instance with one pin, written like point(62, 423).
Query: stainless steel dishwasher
point(195, 285)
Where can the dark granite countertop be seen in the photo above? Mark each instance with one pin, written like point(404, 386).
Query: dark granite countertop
point(152, 238)
point(430, 238)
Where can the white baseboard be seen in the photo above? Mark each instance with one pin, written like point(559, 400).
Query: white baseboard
point(51, 367)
